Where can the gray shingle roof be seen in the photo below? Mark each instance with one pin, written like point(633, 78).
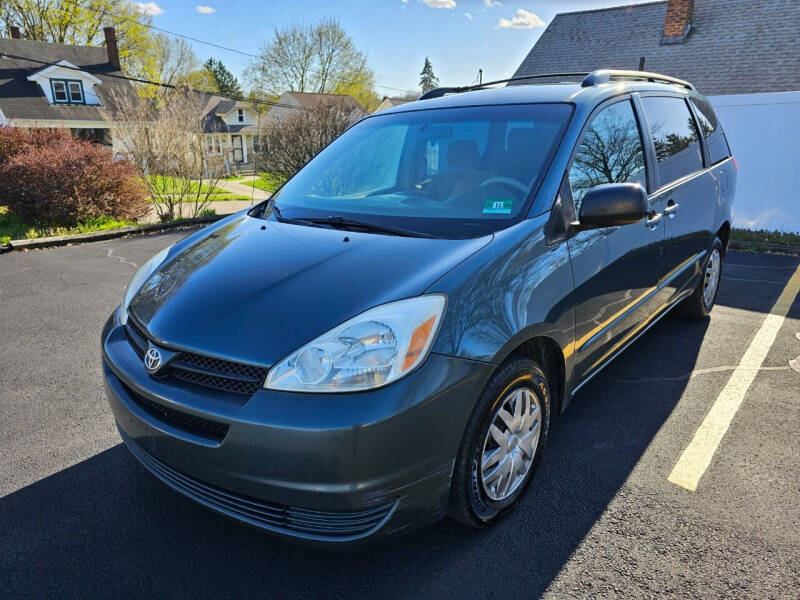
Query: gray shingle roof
point(216, 105)
point(23, 99)
point(734, 47)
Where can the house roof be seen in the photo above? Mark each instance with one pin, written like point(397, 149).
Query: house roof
point(220, 105)
point(24, 99)
point(310, 100)
point(733, 47)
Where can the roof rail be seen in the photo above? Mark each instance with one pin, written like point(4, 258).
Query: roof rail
point(606, 75)
point(441, 91)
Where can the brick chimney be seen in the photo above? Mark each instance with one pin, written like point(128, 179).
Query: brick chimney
point(678, 21)
point(111, 46)
point(15, 34)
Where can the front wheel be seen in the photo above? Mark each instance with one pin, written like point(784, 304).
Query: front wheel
point(502, 444)
point(700, 303)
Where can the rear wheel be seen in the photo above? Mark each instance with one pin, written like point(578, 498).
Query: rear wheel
point(502, 444)
point(700, 303)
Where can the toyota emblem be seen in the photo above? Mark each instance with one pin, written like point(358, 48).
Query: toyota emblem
point(152, 359)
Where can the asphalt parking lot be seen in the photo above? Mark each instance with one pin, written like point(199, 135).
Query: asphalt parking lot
point(79, 517)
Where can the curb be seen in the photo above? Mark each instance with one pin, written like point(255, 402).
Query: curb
point(96, 236)
point(763, 247)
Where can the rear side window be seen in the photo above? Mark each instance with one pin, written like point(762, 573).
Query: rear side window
point(715, 139)
point(675, 137)
point(611, 152)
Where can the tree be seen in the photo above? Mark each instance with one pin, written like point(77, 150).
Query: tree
point(291, 141)
point(175, 62)
point(428, 80)
point(360, 86)
point(81, 24)
point(308, 59)
point(224, 80)
point(167, 146)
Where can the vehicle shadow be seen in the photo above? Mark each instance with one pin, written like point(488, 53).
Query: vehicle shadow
point(105, 527)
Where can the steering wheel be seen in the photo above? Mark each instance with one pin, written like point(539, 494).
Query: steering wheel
point(508, 182)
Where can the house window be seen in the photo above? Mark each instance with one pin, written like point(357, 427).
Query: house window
point(217, 147)
point(240, 115)
point(210, 143)
point(66, 91)
point(59, 91)
point(75, 92)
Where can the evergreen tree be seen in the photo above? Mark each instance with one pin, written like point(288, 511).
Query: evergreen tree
point(428, 80)
point(224, 79)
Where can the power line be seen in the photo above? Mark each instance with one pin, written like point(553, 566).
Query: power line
point(190, 38)
point(149, 82)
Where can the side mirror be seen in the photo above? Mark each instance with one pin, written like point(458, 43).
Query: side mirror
point(613, 204)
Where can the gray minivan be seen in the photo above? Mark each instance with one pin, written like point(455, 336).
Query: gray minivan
point(386, 340)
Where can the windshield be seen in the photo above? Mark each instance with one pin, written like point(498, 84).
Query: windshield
point(456, 172)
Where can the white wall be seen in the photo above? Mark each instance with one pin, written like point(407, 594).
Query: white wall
point(763, 131)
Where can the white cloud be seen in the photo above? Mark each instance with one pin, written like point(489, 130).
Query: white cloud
point(205, 10)
point(522, 20)
point(148, 9)
point(491, 3)
point(440, 3)
point(469, 16)
point(404, 1)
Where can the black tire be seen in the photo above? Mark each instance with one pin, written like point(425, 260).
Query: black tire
point(469, 503)
point(696, 306)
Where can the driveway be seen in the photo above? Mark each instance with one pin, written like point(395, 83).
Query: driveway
point(79, 517)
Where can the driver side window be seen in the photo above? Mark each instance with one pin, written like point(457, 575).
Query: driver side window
point(611, 152)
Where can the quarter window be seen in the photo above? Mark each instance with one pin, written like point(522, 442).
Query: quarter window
point(715, 139)
point(240, 115)
point(675, 137)
point(611, 152)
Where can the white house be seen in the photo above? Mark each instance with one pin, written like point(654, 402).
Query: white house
point(743, 55)
point(231, 130)
point(61, 86)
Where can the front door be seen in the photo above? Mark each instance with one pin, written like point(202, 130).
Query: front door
point(616, 270)
point(688, 192)
point(238, 152)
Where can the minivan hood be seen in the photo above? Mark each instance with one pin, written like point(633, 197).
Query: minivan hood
point(255, 290)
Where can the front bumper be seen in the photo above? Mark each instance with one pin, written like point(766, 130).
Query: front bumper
point(337, 468)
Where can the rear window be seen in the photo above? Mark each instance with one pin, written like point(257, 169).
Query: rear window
point(718, 149)
point(675, 137)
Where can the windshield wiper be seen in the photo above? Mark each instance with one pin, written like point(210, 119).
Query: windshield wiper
point(343, 223)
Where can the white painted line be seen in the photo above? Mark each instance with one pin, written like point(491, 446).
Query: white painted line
point(698, 454)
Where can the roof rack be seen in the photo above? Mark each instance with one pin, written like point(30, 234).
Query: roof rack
point(587, 80)
point(606, 75)
point(441, 91)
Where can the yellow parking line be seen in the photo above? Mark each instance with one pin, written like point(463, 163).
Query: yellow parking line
point(698, 454)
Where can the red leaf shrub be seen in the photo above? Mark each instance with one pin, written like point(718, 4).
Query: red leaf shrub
point(49, 177)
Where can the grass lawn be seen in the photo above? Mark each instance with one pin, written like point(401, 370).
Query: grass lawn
point(233, 177)
point(169, 185)
point(227, 197)
point(11, 228)
point(267, 182)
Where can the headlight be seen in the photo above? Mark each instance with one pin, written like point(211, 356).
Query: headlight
point(137, 281)
point(371, 350)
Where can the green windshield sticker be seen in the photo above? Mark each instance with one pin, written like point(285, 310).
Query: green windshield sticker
point(498, 206)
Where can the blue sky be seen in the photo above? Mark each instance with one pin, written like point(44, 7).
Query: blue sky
point(459, 36)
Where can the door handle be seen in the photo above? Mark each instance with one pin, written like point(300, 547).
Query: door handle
point(653, 219)
point(672, 208)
